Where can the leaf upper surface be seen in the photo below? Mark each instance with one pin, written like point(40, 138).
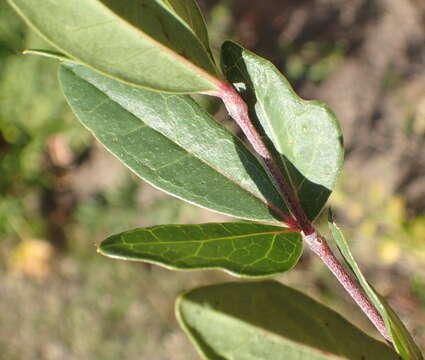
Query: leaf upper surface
point(169, 141)
point(142, 42)
point(305, 135)
point(269, 321)
point(244, 249)
point(402, 339)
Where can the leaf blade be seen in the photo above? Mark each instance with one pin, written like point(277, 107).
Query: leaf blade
point(138, 42)
point(267, 320)
point(191, 14)
point(304, 136)
point(169, 141)
point(242, 249)
point(403, 341)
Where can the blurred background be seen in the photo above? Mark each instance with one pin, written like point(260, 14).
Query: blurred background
point(61, 193)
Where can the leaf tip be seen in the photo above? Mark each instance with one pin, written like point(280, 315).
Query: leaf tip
point(101, 249)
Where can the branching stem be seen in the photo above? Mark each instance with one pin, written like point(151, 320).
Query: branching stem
point(238, 110)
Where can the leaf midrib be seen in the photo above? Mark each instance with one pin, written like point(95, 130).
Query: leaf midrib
point(196, 156)
point(203, 73)
point(167, 50)
point(195, 241)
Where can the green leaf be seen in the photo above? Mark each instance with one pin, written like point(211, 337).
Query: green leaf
point(173, 144)
point(142, 42)
point(47, 53)
point(305, 134)
point(244, 249)
point(190, 13)
point(269, 321)
point(403, 341)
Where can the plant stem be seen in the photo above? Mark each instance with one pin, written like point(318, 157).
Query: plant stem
point(320, 247)
point(238, 110)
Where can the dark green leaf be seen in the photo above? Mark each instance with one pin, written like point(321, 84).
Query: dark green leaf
point(402, 339)
point(144, 42)
point(169, 141)
point(189, 12)
point(269, 321)
point(305, 134)
point(244, 249)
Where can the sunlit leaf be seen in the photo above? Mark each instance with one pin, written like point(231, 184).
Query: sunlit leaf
point(169, 141)
point(142, 42)
point(305, 134)
point(244, 249)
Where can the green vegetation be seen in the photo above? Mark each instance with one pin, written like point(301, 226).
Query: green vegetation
point(81, 305)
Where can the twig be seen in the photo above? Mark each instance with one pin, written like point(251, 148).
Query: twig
point(320, 247)
point(238, 110)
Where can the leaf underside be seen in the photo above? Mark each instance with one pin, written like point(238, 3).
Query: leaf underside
point(269, 321)
point(142, 42)
point(170, 142)
point(304, 136)
point(190, 13)
point(243, 249)
point(402, 339)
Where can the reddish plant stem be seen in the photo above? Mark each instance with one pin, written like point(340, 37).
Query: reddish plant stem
point(238, 110)
point(320, 247)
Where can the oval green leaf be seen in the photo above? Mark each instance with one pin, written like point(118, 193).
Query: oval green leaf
point(269, 321)
point(170, 142)
point(142, 42)
point(402, 339)
point(305, 134)
point(243, 249)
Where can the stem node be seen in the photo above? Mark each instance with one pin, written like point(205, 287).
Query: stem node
point(238, 110)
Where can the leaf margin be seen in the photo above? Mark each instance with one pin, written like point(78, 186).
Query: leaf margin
point(231, 54)
point(298, 250)
point(213, 80)
point(198, 346)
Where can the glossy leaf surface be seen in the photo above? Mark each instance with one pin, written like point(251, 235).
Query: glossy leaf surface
point(142, 42)
point(305, 134)
point(402, 339)
point(269, 321)
point(244, 249)
point(169, 141)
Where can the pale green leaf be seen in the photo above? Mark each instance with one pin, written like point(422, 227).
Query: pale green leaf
point(169, 141)
point(244, 249)
point(402, 339)
point(48, 54)
point(305, 134)
point(269, 321)
point(142, 42)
